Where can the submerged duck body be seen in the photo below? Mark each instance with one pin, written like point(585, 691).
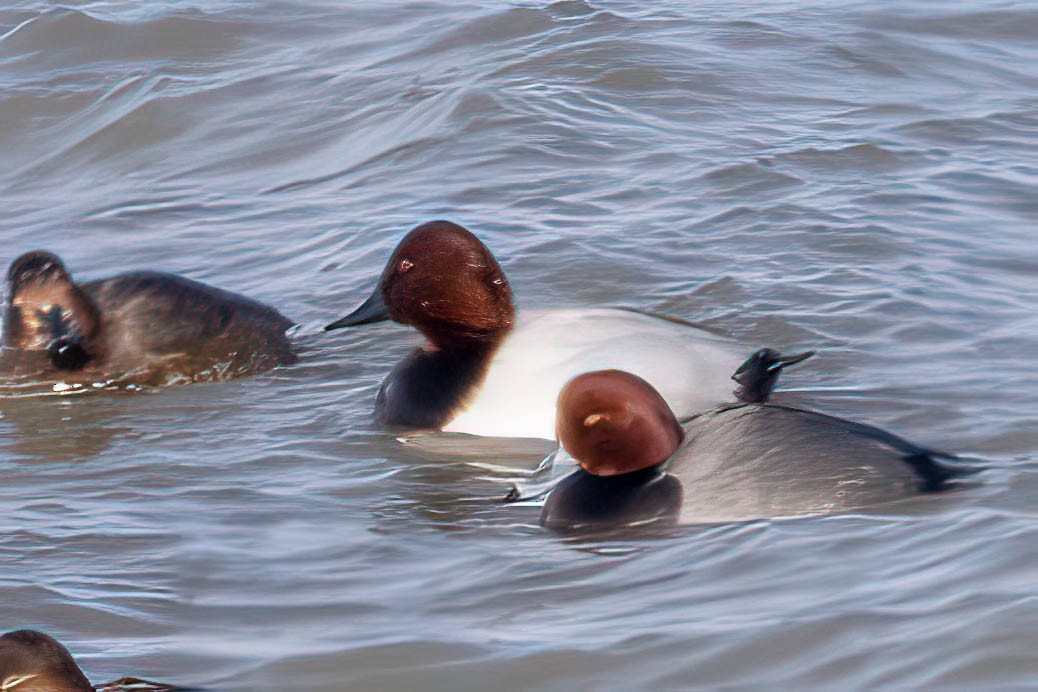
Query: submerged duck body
point(147, 328)
point(487, 371)
point(737, 462)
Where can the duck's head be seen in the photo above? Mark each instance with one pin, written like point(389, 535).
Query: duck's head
point(444, 282)
point(46, 311)
point(759, 373)
point(613, 422)
point(31, 661)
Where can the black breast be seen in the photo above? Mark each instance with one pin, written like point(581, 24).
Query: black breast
point(584, 500)
point(428, 388)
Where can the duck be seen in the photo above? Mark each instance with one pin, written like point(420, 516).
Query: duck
point(141, 327)
point(748, 459)
point(486, 369)
point(31, 661)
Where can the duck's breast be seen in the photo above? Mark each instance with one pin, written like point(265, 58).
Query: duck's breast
point(690, 367)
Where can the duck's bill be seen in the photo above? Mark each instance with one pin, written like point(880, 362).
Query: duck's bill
point(785, 361)
point(373, 310)
point(769, 360)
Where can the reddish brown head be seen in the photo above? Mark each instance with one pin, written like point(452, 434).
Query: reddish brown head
point(31, 661)
point(443, 281)
point(614, 422)
point(45, 309)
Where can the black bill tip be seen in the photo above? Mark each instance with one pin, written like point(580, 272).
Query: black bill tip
point(372, 310)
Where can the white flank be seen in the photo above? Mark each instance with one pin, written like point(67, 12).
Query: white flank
point(690, 367)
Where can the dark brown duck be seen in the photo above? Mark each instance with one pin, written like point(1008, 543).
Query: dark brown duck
point(147, 328)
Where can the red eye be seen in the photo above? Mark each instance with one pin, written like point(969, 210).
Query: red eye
point(405, 265)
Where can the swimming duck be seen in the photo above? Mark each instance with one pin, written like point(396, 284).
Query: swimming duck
point(746, 460)
point(32, 661)
point(485, 370)
point(138, 328)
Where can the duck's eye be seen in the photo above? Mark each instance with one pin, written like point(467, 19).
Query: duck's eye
point(405, 266)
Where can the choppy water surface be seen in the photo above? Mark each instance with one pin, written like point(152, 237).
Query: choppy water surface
point(859, 178)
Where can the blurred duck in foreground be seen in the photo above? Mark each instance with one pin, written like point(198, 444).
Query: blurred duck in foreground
point(31, 661)
point(746, 460)
point(484, 370)
point(145, 328)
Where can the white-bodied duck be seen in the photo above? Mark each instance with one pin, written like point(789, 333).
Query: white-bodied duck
point(484, 370)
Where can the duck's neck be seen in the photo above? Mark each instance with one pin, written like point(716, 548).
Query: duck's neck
point(432, 385)
point(582, 499)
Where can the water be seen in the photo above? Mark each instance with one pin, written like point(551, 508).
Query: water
point(857, 178)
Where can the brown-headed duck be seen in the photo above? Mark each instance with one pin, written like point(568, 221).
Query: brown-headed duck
point(146, 328)
point(746, 460)
point(485, 370)
point(32, 661)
